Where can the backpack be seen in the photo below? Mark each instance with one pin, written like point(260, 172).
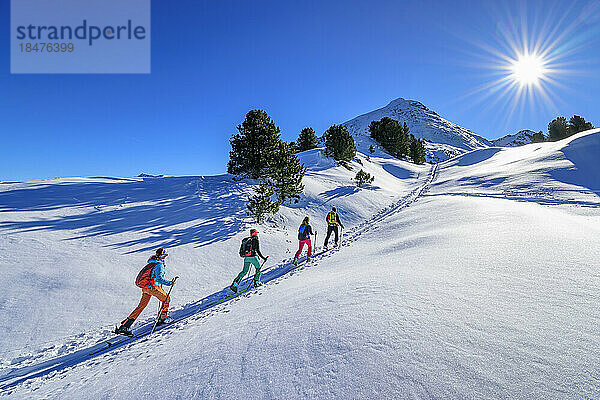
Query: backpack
point(302, 232)
point(144, 278)
point(332, 218)
point(246, 247)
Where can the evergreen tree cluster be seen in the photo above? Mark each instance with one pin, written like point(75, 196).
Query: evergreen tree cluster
point(257, 152)
point(392, 136)
point(559, 128)
point(397, 140)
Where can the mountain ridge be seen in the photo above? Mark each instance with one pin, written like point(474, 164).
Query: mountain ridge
point(443, 138)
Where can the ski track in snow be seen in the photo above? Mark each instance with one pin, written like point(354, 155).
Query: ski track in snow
point(107, 350)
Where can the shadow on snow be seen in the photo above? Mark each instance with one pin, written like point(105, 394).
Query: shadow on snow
point(209, 209)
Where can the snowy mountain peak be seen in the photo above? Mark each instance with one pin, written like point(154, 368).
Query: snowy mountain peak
point(401, 102)
point(518, 139)
point(444, 139)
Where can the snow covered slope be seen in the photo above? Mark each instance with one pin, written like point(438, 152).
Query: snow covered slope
point(477, 279)
point(564, 173)
point(518, 139)
point(73, 246)
point(444, 139)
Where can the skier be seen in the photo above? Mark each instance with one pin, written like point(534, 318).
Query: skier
point(250, 250)
point(304, 233)
point(333, 219)
point(150, 279)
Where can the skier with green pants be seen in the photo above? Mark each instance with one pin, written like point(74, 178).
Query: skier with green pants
point(250, 250)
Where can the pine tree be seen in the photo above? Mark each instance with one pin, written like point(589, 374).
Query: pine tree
point(286, 173)
point(578, 124)
point(363, 177)
point(417, 150)
point(391, 136)
point(538, 137)
point(339, 143)
point(253, 148)
point(307, 140)
point(293, 146)
point(260, 204)
point(405, 141)
point(557, 129)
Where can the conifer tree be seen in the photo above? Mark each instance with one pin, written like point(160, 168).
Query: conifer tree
point(307, 140)
point(557, 129)
point(578, 124)
point(253, 148)
point(363, 177)
point(417, 150)
point(293, 147)
point(339, 144)
point(286, 173)
point(260, 204)
point(538, 137)
point(391, 136)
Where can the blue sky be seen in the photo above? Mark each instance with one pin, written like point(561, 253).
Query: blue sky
point(308, 63)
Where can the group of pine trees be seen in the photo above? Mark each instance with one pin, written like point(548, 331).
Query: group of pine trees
point(397, 140)
point(257, 152)
point(559, 128)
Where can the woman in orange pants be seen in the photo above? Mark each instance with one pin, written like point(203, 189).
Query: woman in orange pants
point(153, 288)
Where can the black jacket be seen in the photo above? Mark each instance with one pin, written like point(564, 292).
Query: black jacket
point(306, 233)
point(256, 248)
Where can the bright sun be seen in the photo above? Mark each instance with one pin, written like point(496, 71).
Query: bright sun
point(528, 69)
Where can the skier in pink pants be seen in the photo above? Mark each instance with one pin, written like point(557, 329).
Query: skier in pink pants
point(304, 233)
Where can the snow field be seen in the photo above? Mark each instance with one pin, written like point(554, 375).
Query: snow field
point(480, 285)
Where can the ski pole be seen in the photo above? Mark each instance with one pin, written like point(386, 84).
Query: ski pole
point(261, 267)
point(316, 241)
point(158, 316)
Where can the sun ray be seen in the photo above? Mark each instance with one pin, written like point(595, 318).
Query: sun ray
point(527, 63)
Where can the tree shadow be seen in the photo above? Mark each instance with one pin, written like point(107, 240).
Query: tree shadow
point(212, 209)
point(398, 172)
point(482, 181)
point(338, 192)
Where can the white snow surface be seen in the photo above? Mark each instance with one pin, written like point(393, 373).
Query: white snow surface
point(473, 279)
point(443, 139)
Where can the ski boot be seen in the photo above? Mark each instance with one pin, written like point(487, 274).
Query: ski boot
point(258, 284)
point(295, 262)
point(165, 321)
point(233, 288)
point(125, 328)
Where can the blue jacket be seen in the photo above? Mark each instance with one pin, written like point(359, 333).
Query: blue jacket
point(158, 273)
